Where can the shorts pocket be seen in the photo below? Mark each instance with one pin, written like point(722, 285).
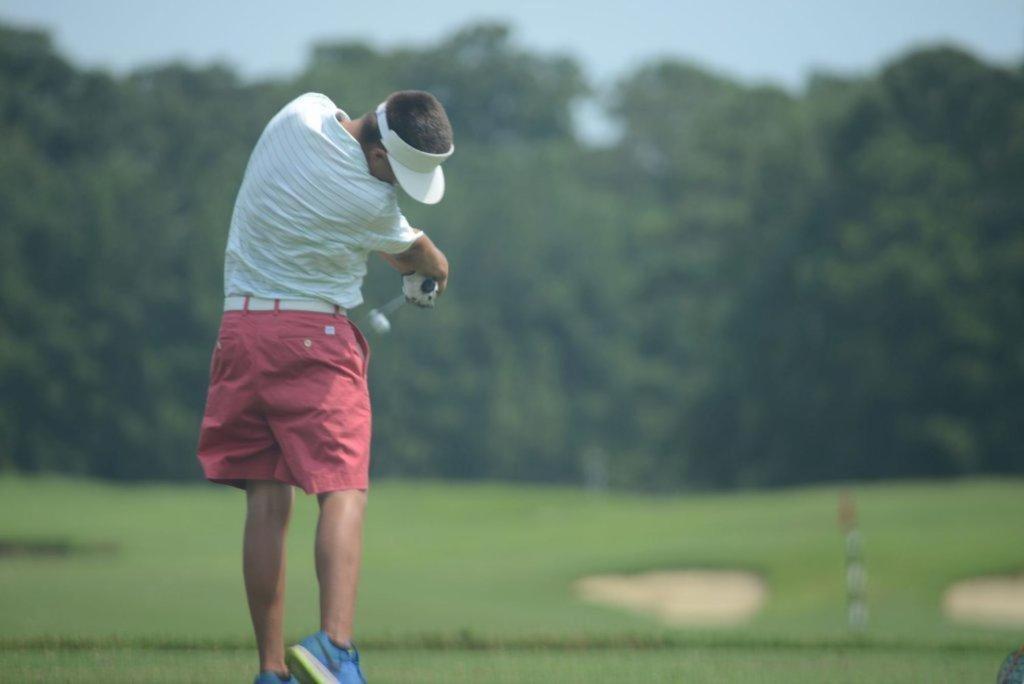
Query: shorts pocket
point(330, 342)
point(225, 353)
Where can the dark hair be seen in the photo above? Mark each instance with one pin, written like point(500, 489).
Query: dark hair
point(418, 119)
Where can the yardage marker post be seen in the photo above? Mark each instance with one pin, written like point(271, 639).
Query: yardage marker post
point(856, 574)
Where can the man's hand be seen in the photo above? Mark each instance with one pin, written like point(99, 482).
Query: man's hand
point(419, 290)
point(422, 257)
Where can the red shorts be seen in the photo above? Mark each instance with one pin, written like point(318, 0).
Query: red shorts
point(288, 401)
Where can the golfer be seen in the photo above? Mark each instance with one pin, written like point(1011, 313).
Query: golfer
point(288, 403)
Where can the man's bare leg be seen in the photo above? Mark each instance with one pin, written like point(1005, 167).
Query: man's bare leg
point(339, 549)
point(269, 506)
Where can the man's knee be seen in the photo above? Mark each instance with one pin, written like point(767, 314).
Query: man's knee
point(350, 501)
point(269, 501)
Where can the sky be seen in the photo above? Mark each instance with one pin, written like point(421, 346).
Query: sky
point(775, 41)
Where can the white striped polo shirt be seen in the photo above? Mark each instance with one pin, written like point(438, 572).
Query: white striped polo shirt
point(308, 212)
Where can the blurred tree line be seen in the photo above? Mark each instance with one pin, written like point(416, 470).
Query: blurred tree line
point(751, 287)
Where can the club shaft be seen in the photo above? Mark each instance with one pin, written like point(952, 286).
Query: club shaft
point(392, 305)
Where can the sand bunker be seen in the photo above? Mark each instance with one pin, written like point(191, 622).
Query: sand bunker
point(680, 597)
point(996, 601)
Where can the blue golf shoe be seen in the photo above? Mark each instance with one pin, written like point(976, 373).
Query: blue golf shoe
point(316, 660)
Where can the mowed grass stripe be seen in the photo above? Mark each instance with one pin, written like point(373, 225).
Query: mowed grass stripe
point(720, 665)
point(467, 642)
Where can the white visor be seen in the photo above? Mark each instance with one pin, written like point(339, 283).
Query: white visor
point(418, 172)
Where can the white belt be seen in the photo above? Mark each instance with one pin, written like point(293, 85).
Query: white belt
point(238, 303)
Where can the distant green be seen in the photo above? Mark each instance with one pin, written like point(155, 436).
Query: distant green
point(470, 583)
point(498, 560)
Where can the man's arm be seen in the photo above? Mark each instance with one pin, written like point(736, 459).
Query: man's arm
point(422, 257)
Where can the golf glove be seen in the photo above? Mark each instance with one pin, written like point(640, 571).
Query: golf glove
point(419, 290)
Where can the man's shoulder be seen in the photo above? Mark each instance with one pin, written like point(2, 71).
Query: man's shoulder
point(337, 157)
point(312, 100)
point(309, 108)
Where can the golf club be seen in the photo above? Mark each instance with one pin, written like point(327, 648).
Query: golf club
point(378, 317)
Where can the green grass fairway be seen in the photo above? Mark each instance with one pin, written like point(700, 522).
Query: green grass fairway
point(480, 574)
point(720, 665)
